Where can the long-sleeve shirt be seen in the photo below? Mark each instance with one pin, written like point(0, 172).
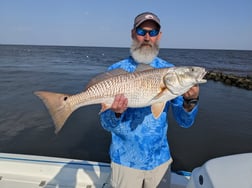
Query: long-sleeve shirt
point(139, 140)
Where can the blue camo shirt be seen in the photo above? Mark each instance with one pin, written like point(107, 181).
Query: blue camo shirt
point(138, 139)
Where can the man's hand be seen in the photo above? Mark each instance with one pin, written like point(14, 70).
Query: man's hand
point(119, 105)
point(192, 93)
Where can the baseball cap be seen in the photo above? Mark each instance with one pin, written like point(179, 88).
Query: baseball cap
point(144, 17)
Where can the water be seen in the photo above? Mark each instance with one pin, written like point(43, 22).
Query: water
point(223, 125)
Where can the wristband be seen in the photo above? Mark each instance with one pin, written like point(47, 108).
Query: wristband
point(191, 101)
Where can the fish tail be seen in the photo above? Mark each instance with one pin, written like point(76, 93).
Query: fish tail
point(58, 107)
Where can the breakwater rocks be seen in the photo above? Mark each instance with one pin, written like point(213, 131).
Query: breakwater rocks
point(244, 82)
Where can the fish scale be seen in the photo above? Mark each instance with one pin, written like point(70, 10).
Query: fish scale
point(131, 85)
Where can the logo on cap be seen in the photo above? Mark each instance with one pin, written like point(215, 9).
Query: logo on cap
point(149, 16)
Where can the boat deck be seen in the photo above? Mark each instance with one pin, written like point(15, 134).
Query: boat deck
point(29, 171)
point(38, 171)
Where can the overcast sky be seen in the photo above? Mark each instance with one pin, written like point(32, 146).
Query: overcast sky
point(197, 24)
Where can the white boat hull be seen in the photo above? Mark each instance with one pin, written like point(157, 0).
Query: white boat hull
point(30, 171)
point(37, 171)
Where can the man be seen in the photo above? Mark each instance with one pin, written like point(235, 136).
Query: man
point(139, 152)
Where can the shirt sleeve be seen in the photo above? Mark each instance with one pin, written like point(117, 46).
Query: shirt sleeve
point(112, 123)
point(184, 119)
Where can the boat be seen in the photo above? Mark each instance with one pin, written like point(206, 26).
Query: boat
point(231, 171)
point(30, 171)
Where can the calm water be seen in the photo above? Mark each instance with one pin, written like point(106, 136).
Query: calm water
point(223, 125)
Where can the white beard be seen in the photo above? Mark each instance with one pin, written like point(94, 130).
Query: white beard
point(144, 52)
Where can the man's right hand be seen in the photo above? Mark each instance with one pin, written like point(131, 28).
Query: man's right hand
point(119, 105)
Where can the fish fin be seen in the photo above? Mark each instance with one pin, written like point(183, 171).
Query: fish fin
point(116, 72)
point(105, 76)
point(162, 92)
point(57, 106)
point(157, 109)
point(104, 107)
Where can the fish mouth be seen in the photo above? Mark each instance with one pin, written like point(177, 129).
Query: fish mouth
point(202, 78)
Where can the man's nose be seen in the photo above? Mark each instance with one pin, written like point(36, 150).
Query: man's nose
point(147, 37)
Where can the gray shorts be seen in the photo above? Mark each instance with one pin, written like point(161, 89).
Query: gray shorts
point(125, 177)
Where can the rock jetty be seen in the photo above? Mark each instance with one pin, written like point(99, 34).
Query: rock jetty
point(244, 82)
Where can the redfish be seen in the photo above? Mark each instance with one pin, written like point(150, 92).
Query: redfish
point(144, 87)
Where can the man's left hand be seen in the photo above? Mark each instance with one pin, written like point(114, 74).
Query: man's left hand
point(192, 93)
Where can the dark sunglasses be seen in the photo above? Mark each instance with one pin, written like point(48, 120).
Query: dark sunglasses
point(142, 32)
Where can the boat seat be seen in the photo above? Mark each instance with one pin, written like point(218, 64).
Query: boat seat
point(230, 171)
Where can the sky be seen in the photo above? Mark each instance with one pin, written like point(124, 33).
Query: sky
point(186, 24)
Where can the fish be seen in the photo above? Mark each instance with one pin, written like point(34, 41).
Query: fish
point(143, 87)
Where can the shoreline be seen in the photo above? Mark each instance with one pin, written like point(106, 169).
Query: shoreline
point(244, 82)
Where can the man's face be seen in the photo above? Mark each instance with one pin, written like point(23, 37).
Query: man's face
point(145, 45)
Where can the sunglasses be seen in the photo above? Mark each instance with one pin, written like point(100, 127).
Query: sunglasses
point(142, 32)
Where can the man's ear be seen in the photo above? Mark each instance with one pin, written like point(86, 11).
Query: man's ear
point(133, 33)
point(159, 35)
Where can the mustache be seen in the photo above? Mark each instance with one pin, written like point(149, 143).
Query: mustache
point(144, 44)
